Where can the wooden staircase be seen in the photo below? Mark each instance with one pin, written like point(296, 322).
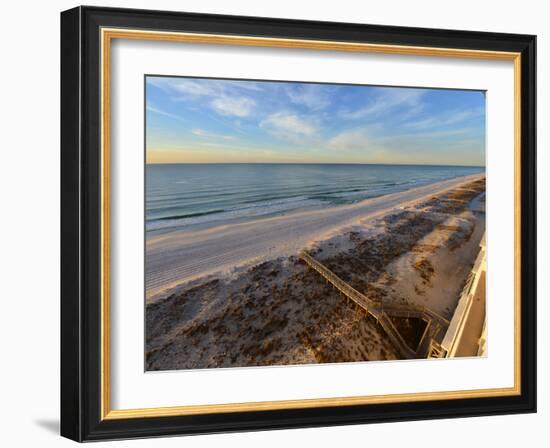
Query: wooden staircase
point(382, 312)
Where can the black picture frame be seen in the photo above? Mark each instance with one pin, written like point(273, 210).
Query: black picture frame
point(81, 224)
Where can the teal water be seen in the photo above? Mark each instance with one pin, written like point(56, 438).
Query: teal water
point(183, 195)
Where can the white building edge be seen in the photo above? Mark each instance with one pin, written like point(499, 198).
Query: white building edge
point(466, 334)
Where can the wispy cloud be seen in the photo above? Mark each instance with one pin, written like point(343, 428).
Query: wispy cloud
point(289, 126)
point(155, 110)
point(194, 88)
point(226, 97)
point(447, 119)
point(233, 106)
point(312, 96)
point(350, 139)
point(388, 100)
point(211, 135)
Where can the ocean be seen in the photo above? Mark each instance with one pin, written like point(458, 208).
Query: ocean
point(190, 195)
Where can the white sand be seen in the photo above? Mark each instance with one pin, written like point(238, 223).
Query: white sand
point(178, 257)
point(451, 266)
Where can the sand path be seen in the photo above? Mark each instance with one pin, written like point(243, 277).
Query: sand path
point(181, 256)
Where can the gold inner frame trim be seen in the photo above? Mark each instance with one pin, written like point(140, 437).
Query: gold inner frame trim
point(107, 35)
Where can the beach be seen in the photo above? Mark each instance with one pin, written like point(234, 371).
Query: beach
point(237, 294)
point(181, 256)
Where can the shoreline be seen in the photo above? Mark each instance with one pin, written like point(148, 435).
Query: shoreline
point(175, 224)
point(281, 312)
point(176, 258)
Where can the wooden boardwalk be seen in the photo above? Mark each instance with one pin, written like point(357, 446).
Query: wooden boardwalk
point(435, 324)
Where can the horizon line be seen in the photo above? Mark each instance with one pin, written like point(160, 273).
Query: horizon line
point(311, 163)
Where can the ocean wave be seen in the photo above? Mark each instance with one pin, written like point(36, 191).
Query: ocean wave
point(238, 212)
point(191, 215)
point(253, 192)
point(269, 205)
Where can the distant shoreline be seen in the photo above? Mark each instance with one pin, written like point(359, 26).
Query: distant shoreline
point(196, 196)
point(181, 256)
point(314, 163)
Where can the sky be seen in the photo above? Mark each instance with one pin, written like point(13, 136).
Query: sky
point(199, 120)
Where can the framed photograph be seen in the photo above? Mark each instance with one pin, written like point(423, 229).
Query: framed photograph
point(274, 223)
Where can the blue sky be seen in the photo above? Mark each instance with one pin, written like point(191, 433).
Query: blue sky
point(195, 120)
